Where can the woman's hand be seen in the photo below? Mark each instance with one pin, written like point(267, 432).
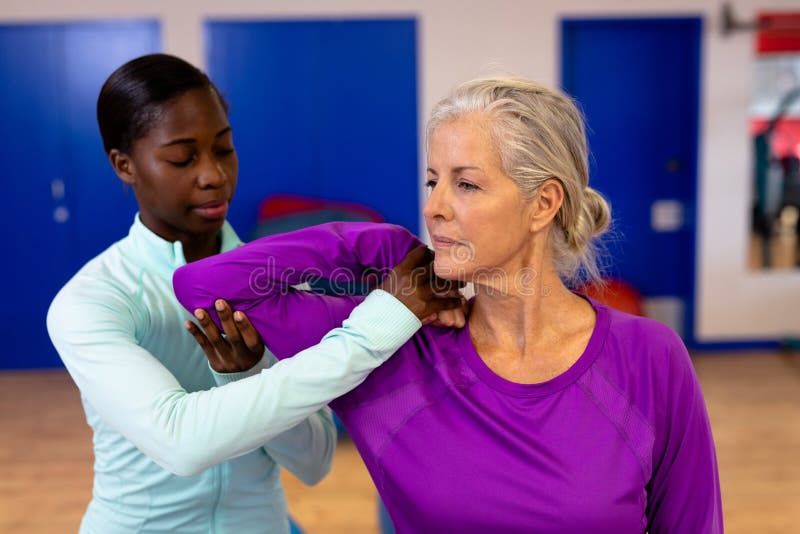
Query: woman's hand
point(239, 349)
point(452, 318)
point(432, 299)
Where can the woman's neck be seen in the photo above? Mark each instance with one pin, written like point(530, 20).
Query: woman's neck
point(197, 248)
point(530, 334)
point(518, 316)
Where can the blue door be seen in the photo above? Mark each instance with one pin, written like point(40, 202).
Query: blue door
point(103, 207)
point(637, 81)
point(325, 109)
point(66, 204)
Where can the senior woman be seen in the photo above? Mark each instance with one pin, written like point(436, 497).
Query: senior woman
point(549, 412)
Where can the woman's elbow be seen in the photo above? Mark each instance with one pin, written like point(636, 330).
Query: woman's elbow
point(323, 466)
point(182, 464)
point(185, 470)
point(176, 452)
point(315, 475)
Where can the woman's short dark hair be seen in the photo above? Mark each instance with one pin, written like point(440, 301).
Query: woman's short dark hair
point(132, 98)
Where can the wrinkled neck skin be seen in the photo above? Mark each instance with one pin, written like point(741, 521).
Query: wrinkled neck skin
point(531, 325)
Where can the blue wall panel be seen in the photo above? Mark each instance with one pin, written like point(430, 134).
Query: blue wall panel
point(326, 109)
point(52, 162)
point(638, 82)
point(103, 205)
point(30, 160)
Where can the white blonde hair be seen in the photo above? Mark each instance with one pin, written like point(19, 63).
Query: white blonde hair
point(539, 134)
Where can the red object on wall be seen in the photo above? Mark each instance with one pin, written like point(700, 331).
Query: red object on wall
point(785, 139)
point(278, 204)
point(778, 32)
point(616, 294)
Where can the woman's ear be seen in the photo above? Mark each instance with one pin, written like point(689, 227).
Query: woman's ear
point(547, 202)
point(123, 166)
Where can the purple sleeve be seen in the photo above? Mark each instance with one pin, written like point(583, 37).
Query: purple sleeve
point(684, 492)
point(257, 278)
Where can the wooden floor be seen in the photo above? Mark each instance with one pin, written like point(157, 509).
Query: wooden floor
point(753, 400)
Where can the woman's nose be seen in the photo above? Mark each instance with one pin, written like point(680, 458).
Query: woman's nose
point(211, 173)
point(438, 204)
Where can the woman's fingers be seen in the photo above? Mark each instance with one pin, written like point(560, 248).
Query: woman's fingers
point(243, 352)
point(236, 350)
point(453, 318)
point(249, 335)
point(430, 319)
point(445, 288)
point(420, 256)
point(414, 283)
point(199, 337)
point(239, 349)
point(226, 318)
point(211, 353)
point(439, 305)
point(211, 331)
point(225, 359)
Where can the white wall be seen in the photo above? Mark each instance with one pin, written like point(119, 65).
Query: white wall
point(461, 39)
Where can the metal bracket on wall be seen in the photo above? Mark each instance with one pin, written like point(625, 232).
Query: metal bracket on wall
point(730, 24)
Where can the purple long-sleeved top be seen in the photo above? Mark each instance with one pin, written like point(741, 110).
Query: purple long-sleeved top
point(619, 443)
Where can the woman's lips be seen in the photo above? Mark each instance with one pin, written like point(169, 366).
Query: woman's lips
point(213, 210)
point(442, 242)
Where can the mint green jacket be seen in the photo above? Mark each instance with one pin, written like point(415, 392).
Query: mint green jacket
point(182, 449)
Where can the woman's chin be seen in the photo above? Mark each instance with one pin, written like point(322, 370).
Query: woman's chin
point(447, 271)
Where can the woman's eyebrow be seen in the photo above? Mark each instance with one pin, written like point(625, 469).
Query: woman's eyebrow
point(458, 169)
point(181, 141)
point(467, 168)
point(189, 140)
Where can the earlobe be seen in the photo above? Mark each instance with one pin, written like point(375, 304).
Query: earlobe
point(123, 166)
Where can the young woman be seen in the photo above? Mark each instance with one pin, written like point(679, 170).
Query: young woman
point(173, 452)
point(550, 412)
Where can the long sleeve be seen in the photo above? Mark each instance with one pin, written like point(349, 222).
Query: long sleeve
point(94, 328)
point(684, 492)
point(307, 448)
point(257, 278)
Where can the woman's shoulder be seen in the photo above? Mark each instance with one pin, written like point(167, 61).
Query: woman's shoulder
point(639, 332)
point(644, 364)
point(642, 352)
point(108, 281)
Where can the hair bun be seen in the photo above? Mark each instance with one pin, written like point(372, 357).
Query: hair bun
point(597, 211)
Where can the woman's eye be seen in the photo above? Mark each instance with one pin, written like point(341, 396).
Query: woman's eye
point(467, 186)
point(223, 152)
point(430, 184)
point(182, 163)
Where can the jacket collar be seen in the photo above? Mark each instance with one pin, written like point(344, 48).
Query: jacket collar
point(156, 253)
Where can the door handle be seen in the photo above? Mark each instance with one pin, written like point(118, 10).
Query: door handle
point(673, 165)
point(666, 215)
point(58, 191)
